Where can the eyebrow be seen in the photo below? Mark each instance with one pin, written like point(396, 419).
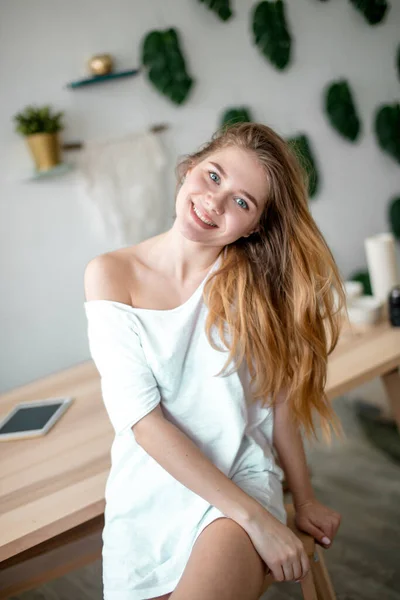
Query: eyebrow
point(249, 196)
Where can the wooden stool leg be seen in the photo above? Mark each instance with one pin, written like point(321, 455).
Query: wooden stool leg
point(308, 587)
point(391, 383)
point(322, 580)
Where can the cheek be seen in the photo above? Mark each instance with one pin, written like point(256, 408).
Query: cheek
point(197, 181)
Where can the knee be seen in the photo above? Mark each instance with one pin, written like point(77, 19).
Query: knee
point(226, 563)
point(230, 540)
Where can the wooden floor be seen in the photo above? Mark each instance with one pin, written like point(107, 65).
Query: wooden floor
point(364, 562)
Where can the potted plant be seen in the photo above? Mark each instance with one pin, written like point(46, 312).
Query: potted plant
point(41, 128)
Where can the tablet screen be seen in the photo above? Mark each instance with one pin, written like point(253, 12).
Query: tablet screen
point(30, 418)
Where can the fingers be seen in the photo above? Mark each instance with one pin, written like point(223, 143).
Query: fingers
point(277, 572)
point(305, 564)
point(322, 529)
point(335, 522)
point(330, 527)
point(288, 571)
point(292, 569)
point(320, 535)
point(317, 533)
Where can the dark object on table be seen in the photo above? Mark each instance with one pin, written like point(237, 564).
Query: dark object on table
point(381, 432)
point(394, 306)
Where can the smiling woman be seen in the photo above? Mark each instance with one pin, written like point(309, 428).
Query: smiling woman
point(194, 501)
point(203, 217)
point(269, 288)
point(221, 191)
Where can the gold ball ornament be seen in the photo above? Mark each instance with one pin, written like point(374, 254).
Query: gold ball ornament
point(101, 64)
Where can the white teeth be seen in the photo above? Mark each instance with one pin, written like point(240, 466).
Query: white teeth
point(202, 218)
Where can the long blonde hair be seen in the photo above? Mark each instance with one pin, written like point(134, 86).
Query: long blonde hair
point(279, 290)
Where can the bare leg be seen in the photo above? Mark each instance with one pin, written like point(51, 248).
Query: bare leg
point(223, 565)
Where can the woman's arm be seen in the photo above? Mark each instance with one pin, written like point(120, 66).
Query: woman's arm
point(277, 545)
point(289, 445)
point(318, 520)
point(178, 455)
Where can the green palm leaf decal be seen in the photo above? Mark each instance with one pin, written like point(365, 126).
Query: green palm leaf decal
point(302, 149)
point(364, 278)
point(162, 55)
point(387, 129)
point(394, 216)
point(373, 10)
point(341, 110)
point(398, 61)
point(271, 34)
point(236, 115)
point(221, 7)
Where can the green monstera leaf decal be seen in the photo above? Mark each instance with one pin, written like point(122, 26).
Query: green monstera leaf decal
point(398, 61)
point(221, 7)
point(302, 149)
point(387, 129)
point(271, 34)
point(394, 216)
point(236, 115)
point(162, 55)
point(364, 278)
point(373, 10)
point(341, 110)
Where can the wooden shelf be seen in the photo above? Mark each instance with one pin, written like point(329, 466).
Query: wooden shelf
point(100, 78)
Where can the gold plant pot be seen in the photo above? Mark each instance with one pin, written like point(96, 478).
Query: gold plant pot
point(45, 149)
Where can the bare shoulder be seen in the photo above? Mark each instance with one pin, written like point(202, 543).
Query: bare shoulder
point(122, 275)
point(109, 277)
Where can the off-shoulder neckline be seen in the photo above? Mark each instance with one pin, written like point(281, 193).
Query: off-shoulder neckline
point(135, 309)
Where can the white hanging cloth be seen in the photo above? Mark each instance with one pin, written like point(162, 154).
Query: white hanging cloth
point(123, 178)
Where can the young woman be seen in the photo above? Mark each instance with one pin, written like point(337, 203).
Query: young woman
point(194, 503)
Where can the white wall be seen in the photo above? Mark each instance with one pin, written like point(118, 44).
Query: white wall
point(46, 232)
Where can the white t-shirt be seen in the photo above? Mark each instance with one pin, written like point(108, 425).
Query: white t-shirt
point(145, 357)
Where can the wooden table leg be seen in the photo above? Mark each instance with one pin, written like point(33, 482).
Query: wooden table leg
point(391, 383)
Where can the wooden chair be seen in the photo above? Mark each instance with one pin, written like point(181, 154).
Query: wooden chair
point(316, 585)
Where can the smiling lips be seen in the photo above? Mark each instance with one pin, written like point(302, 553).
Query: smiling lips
point(203, 216)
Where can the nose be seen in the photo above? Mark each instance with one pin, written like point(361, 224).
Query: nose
point(215, 202)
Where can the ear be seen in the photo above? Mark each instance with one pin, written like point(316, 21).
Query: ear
point(252, 231)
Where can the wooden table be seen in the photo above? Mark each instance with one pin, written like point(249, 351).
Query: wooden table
point(52, 488)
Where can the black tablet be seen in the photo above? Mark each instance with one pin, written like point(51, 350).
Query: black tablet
point(32, 419)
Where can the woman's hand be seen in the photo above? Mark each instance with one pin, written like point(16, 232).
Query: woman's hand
point(318, 520)
point(278, 546)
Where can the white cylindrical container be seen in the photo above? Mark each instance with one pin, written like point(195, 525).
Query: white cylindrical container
point(365, 310)
point(354, 289)
point(382, 265)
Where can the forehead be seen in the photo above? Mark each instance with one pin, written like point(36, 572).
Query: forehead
point(243, 170)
